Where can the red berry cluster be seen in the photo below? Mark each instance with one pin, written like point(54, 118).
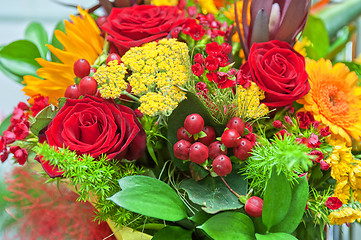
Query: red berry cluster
point(87, 84)
point(207, 146)
point(18, 130)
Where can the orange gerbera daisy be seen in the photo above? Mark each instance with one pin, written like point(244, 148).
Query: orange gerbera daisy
point(81, 40)
point(334, 98)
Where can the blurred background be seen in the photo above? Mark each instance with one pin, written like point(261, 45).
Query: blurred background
point(15, 15)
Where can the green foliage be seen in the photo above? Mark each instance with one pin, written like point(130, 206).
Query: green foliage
point(150, 197)
point(275, 236)
point(277, 199)
point(213, 195)
point(42, 119)
point(355, 68)
point(285, 154)
point(5, 124)
point(173, 232)
point(93, 178)
point(36, 33)
point(229, 226)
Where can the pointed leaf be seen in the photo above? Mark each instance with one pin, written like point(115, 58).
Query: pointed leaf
point(277, 199)
point(173, 232)
point(213, 195)
point(229, 225)
point(295, 213)
point(36, 33)
point(150, 197)
point(43, 118)
point(4, 125)
point(10, 74)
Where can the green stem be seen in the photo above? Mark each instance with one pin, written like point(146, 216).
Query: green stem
point(130, 95)
point(230, 189)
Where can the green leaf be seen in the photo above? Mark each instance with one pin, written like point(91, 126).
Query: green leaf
point(19, 57)
point(354, 67)
point(150, 197)
point(55, 42)
point(10, 74)
point(173, 232)
point(176, 120)
point(275, 236)
point(339, 44)
point(197, 172)
point(277, 199)
point(213, 195)
point(200, 217)
point(4, 125)
point(298, 204)
point(337, 15)
point(43, 118)
point(316, 32)
point(36, 33)
point(229, 225)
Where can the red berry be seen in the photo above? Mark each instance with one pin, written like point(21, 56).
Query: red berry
point(88, 85)
point(211, 135)
point(254, 206)
point(222, 165)
point(194, 123)
point(230, 138)
point(72, 92)
point(198, 153)
point(113, 57)
point(182, 134)
point(81, 68)
point(236, 123)
point(215, 149)
point(243, 149)
point(181, 149)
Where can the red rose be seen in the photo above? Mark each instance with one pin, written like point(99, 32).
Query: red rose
point(279, 71)
point(94, 126)
point(333, 203)
point(133, 26)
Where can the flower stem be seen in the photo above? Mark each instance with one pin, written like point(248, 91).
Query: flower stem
point(230, 189)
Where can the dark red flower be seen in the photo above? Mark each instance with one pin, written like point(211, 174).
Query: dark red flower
point(192, 11)
point(319, 155)
point(198, 58)
point(277, 124)
point(221, 78)
point(279, 71)
point(222, 59)
point(325, 131)
point(333, 203)
point(226, 48)
point(201, 86)
point(3, 150)
point(9, 137)
point(243, 76)
point(197, 32)
point(281, 134)
point(133, 26)
point(23, 106)
point(188, 25)
point(197, 69)
point(20, 154)
point(21, 130)
point(213, 48)
point(305, 119)
point(211, 63)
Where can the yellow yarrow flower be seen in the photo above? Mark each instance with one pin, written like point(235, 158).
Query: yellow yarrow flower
point(158, 70)
point(300, 46)
point(248, 102)
point(164, 2)
point(110, 79)
point(344, 215)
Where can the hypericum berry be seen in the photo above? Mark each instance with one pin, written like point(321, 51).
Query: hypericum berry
point(182, 134)
point(243, 149)
point(211, 135)
point(88, 85)
point(72, 92)
point(198, 153)
point(222, 165)
point(254, 206)
point(194, 123)
point(113, 57)
point(81, 68)
point(230, 138)
point(181, 149)
point(215, 149)
point(236, 123)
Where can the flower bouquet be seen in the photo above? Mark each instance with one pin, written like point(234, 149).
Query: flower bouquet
point(186, 120)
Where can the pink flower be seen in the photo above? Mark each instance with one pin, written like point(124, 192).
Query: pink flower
point(317, 153)
point(313, 141)
point(324, 165)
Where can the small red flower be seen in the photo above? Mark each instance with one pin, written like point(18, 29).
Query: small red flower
point(277, 124)
point(226, 48)
point(305, 119)
point(281, 134)
point(211, 63)
point(21, 130)
point(333, 203)
point(197, 69)
point(9, 137)
point(213, 48)
point(313, 141)
point(317, 153)
point(288, 120)
point(243, 76)
point(325, 131)
point(198, 58)
point(40, 103)
point(324, 165)
point(197, 32)
point(20, 154)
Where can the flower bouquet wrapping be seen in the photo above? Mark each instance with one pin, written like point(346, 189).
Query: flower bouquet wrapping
point(186, 120)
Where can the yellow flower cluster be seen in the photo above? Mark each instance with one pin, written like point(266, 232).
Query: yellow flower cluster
point(158, 69)
point(110, 79)
point(346, 170)
point(344, 215)
point(300, 46)
point(164, 2)
point(249, 102)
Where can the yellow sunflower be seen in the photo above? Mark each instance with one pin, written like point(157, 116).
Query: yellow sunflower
point(344, 215)
point(334, 99)
point(81, 40)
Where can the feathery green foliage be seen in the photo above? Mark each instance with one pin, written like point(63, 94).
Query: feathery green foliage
point(93, 179)
point(285, 154)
